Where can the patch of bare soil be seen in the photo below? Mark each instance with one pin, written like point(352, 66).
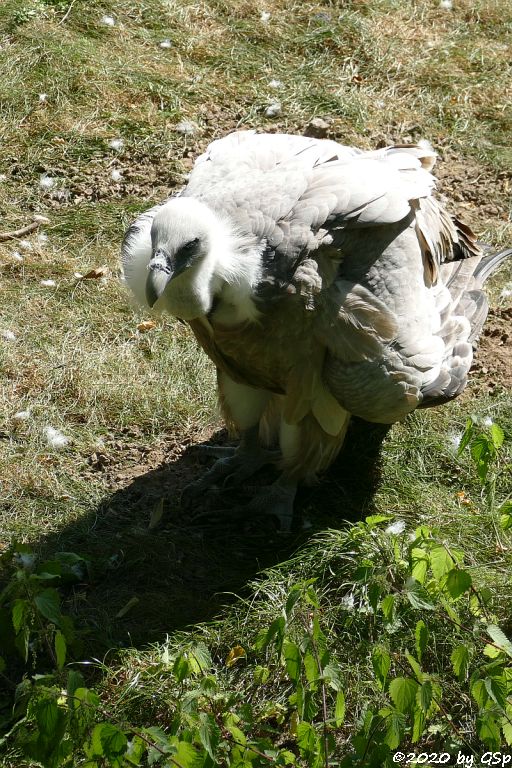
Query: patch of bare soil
point(476, 194)
point(493, 361)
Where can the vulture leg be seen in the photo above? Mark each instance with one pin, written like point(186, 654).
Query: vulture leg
point(235, 465)
point(242, 407)
point(275, 500)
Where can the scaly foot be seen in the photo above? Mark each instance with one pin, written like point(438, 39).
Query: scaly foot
point(233, 465)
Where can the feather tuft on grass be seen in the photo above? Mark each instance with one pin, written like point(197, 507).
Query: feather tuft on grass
point(274, 109)
point(22, 415)
point(46, 182)
point(396, 528)
point(55, 438)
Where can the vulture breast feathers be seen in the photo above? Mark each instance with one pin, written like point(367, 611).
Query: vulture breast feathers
point(322, 280)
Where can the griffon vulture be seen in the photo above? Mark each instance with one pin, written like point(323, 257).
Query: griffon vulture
point(323, 281)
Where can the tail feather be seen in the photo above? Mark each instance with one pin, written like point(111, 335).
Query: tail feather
point(489, 264)
point(462, 320)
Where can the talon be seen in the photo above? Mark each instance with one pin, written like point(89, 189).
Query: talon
point(275, 500)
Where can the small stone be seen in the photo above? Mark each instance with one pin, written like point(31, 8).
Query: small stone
point(317, 128)
point(187, 127)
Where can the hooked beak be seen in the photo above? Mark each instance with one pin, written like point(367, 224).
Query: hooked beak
point(159, 273)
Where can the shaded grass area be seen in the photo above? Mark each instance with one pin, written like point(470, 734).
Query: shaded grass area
point(134, 403)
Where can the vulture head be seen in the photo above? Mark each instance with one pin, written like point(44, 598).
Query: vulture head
point(188, 243)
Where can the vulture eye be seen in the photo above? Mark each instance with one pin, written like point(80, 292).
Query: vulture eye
point(191, 244)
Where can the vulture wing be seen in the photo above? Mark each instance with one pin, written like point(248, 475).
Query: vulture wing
point(361, 237)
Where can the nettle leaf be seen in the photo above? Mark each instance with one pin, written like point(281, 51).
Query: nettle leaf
point(421, 636)
point(497, 688)
point(482, 452)
point(381, 662)
point(135, 750)
point(413, 663)
point(387, 607)
point(466, 437)
point(395, 729)
point(307, 741)
point(403, 692)
point(479, 693)
point(312, 597)
point(181, 668)
point(199, 658)
point(48, 604)
point(424, 696)
point(48, 716)
point(374, 593)
point(292, 660)
point(457, 582)
point(186, 755)
point(83, 697)
point(418, 596)
point(500, 638)
point(294, 596)
point(488, 730)
point(113, 740)
point(20, 612)
point(332, 676)
point(311, 667)
point(418, 725)
point(261, 674)
point(506, 518)
point(60, 649)
point(209, 733)
point(460, 661)
point(440, 561)
point(419, 564)
point(506, 727)
point(339, 709)
point(497, 435)
point(274, 632)
point(492, 652)
point(373, 521)
point(22, 642)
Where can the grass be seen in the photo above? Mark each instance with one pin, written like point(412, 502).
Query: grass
point(133, 403)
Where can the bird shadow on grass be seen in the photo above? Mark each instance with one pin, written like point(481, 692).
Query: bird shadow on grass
point(153, 570)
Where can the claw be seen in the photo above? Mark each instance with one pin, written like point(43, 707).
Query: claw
point(233, 466)
point(217, 451)
point(275, 500)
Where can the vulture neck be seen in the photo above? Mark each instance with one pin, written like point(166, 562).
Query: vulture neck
point(237, 272)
